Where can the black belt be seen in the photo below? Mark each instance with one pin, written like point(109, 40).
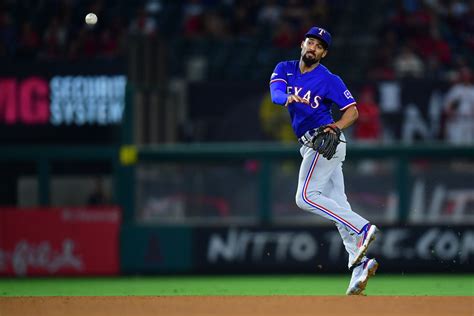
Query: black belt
point(303, 140)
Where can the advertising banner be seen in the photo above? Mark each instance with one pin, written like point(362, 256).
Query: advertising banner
point(415, 249)
point(80, 102)
point(59, 241)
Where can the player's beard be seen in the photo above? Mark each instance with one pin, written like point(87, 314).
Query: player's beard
point(308, 61)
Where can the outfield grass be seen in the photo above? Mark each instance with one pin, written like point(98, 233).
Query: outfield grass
point(418, 285)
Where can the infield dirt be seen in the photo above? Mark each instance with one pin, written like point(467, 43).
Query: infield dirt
point(237, 305)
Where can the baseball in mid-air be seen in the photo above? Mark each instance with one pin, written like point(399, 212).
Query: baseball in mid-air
point(91, 19)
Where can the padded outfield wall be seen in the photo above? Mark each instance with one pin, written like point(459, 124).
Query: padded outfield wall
point(290, 249)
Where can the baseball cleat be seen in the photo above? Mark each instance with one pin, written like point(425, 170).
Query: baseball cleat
point(360, 277)
point(369, 236)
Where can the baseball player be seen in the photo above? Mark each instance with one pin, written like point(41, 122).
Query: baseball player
point(307, 89)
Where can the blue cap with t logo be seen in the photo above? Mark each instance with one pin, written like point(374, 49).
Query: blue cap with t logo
point(322, 34)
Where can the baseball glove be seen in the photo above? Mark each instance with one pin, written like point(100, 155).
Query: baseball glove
point(326, 143)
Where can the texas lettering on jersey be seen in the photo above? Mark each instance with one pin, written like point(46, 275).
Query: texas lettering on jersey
point(319, 87)
point(307, 96)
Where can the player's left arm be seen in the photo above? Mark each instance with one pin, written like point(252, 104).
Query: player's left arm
point(278, 84)
point(349, 116)
point(340, 95)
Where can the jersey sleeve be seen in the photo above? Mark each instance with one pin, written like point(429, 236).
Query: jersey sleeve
point(339, 94)
point(279, 74)
point(278, 83)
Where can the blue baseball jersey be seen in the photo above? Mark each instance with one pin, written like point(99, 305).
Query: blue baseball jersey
point(319, 86)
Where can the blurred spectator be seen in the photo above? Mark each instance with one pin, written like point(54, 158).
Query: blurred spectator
point(368, 127)
point(108, 43)
point(29, 41)
point(154, 6)
point(435, 70)
point(111, 38)
point(458, 8)
point(284, 36)
point(459, 108)
point(89, 44)
point(193, 11)
point(382, 68)
point(467, 28)
point(214, 25)
point(438, 6)
point(243, 20)
point(143, 23)
point(55, 39)
point(408, 64)
point(270, 13)
point(432, 45)
point(397, 20)
point(295, 12)
point(419, 20)
point(320, 12)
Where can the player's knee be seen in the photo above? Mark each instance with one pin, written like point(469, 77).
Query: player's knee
point(300, 202)
point(303, 201)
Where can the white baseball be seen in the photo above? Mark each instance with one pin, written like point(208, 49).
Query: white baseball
point(91, 19)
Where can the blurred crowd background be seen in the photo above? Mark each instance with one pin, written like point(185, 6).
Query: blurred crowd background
point(391, 39)
point(232, 40)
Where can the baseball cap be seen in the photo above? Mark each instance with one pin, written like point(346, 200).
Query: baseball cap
point(319, 32)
